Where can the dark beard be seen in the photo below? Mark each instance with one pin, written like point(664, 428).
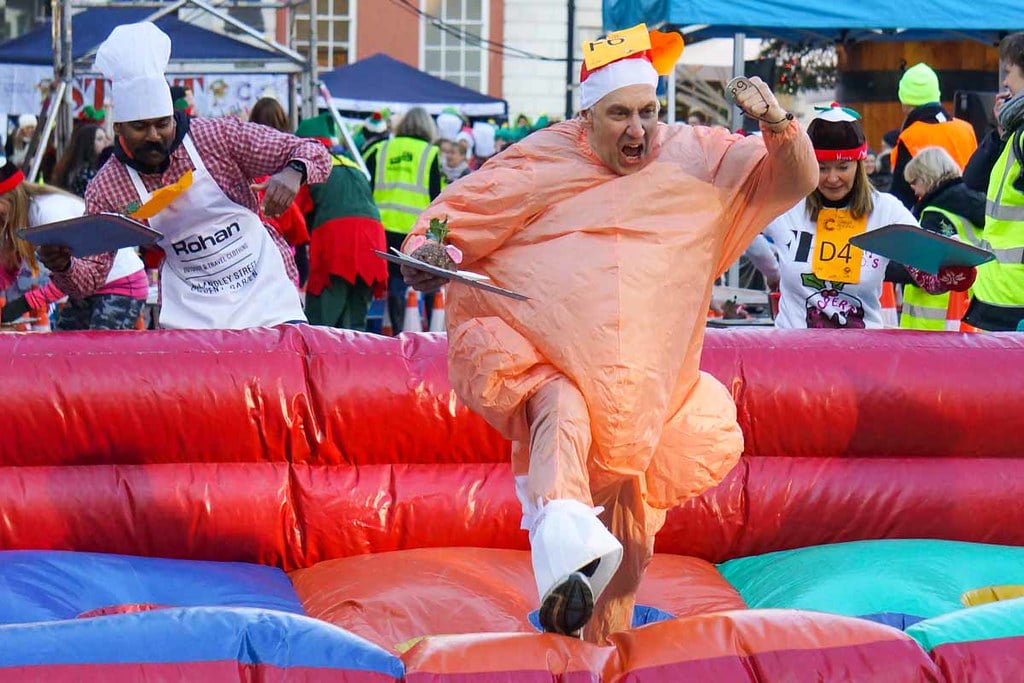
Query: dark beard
point(181, 125)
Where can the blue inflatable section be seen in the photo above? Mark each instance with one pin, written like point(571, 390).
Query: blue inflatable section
point(195, 634)
point(642, 615)
point(52, 585)
point(900, 621)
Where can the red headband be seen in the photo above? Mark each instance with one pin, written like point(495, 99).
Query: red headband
point(12, 181)
point(855, 154)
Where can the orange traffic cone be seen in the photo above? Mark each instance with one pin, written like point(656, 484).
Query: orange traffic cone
point(42, 320)
point(412, 321)
point(890, 319)
point(437, 318)
point(955, 311)
point(386, 328)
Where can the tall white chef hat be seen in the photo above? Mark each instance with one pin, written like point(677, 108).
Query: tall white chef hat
point(448, 125)
point(134, 58)
point(483, 136)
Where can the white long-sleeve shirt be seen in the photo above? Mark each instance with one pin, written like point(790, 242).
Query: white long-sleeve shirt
point(807, 301)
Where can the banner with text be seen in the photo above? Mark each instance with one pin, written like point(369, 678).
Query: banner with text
point(23, 89)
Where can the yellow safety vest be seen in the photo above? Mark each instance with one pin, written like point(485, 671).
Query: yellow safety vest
point(401, 185)
point(924, 311)
point(342, 160)
point(1001, 282)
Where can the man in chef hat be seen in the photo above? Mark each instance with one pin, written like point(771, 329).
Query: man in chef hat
point(191, 179)
point(615, 226)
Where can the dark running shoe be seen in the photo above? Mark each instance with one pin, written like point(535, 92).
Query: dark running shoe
point(567, 607)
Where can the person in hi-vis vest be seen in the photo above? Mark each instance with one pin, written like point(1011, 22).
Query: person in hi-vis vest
point(406, 177)
point(927, 124)
point(997, 299)
point(948, 207)
point(192, 179)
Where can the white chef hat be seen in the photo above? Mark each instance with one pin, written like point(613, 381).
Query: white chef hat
point(483, 136)
point(134, 58)
point(448, 125)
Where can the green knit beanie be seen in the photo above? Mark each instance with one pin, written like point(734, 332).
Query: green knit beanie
point(919, 85)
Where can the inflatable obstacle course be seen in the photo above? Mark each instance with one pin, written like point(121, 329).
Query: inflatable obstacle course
point(316, 504)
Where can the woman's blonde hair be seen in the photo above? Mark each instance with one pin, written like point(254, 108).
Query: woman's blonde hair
point(932, 166)
point(13, 250)
point(416, 123)
point(861, 201)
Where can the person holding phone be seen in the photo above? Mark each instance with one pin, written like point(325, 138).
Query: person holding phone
point(997, 299)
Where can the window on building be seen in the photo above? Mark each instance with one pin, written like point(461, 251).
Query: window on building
point(335, 34)
point(20, 16)
point(452, 45)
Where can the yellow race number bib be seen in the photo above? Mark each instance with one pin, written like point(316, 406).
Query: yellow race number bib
point(835, 259)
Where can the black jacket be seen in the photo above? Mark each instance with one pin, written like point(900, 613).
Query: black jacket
point(982, 161)
point(953, 196)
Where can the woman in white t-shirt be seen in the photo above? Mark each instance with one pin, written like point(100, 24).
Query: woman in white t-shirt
point(24, 282)
point(825, 282)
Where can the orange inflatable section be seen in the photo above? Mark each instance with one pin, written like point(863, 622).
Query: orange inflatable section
point(394, 598)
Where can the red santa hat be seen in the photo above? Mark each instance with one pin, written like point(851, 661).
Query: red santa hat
point(633, 67)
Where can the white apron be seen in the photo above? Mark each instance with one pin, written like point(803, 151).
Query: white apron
point(221, 270)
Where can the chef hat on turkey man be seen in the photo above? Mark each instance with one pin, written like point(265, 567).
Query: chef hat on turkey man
point(634, 56)
point(134, 58)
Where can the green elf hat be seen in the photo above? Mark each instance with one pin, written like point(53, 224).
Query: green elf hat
point(321, 126)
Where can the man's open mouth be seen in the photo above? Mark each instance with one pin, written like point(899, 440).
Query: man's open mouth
point(633, 151)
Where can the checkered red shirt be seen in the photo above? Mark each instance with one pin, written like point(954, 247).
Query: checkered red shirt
point(234, 153)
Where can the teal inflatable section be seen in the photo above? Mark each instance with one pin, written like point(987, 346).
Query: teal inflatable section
point(1004, 619)
point(922, 578)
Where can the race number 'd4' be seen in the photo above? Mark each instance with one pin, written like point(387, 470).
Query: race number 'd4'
point(835, 259)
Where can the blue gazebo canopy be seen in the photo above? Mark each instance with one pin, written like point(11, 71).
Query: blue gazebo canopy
point(910, 20)
point(190, 43)
point(382, 81)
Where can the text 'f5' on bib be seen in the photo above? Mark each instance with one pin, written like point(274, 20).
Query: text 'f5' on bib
point(835, 259)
